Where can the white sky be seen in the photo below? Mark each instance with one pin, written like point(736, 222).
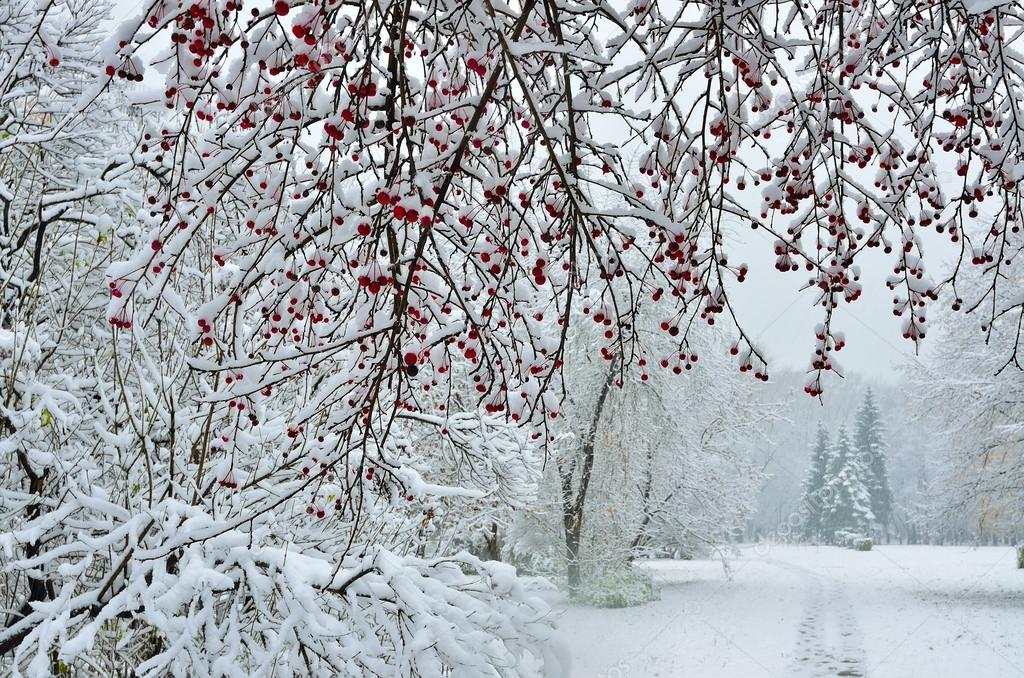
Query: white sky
point(783, 321)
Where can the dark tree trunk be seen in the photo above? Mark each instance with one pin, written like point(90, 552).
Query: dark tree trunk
point(493, 543)
point(39, 589)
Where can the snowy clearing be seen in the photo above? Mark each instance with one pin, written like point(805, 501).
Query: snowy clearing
point(794, 611)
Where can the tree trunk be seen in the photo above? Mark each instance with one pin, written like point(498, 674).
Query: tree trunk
point(572, 556)
point(573, 502)
point(493, 543)
point(645, 499)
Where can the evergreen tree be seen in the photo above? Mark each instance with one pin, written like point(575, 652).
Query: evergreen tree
point(848, 502)
point(868, 443)
point(812, 501)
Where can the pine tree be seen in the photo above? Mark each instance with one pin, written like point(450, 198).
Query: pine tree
point(848, 502)
point(812, 501)
point(868, 443)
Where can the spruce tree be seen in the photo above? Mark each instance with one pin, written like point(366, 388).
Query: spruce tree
point(869, 445)
point(848, 502)
point(812, 501)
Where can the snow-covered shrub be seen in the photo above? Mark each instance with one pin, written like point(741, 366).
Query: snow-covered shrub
point(1020, 557)
point(853, 540)
point(623, 586)
point(847, 539)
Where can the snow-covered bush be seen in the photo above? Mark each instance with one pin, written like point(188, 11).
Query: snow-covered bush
point(844, 538)
point(617, 585)
point(863, 544)
point(853, 540)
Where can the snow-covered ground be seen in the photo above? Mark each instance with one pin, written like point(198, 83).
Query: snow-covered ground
point(804, 611)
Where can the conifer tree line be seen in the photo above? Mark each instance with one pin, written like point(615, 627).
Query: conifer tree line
point(847, 485)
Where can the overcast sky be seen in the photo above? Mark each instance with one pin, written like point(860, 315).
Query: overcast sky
point(782, 321)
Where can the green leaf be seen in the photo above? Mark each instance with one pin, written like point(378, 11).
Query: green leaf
point(45, 419)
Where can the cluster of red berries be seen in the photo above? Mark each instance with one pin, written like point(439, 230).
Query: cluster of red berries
point(121, 321)
point(229, 481)
point(206, 328)
point(127, 71)
point(476, 66)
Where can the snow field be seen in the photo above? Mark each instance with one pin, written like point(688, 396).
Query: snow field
point(796, 611)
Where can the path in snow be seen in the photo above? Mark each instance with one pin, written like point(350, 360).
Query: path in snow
point(809, 612)
point(830, 641)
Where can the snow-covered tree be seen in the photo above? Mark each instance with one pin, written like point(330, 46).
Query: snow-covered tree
point(848, 505)
point(667, 464)
point(869, 445)
point(814, 498)
point(910, 452)
point(967, 392)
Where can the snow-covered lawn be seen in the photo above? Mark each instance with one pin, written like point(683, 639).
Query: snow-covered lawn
point(799, 611)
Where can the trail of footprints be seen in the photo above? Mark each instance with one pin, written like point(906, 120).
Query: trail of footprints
point(829, 642)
